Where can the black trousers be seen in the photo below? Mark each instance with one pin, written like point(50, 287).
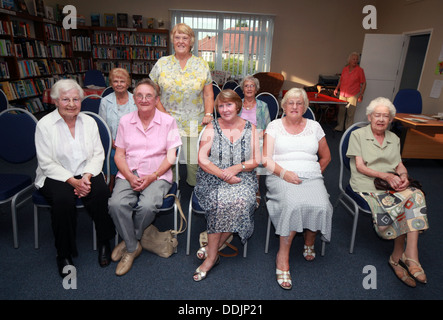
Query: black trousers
point(60, 195)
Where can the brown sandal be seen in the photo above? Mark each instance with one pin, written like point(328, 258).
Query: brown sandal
point(403, 274)
point(414, 270)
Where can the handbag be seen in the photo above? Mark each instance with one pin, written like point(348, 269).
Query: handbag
point(381, 184)
point(203, 239)
point(163, 243)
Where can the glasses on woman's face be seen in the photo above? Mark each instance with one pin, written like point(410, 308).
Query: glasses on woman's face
point(249, 85)
point(66, 101)
point(140, 97)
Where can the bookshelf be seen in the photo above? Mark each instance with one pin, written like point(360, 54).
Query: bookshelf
point(135, 49)
point(34, 53)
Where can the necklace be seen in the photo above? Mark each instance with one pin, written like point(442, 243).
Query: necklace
point(249, 105)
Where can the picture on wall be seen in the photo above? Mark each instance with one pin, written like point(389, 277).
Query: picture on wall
point(137, 21)
point(109, 19)
point(122, 20)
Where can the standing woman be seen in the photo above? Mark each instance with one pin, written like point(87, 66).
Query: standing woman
point(70, 161)
point(186, 92)
point(114, 106)
point(352, 85)
point(295, 151)
point(226, 180)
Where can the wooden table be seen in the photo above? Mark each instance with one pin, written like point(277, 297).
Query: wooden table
point(422, 137)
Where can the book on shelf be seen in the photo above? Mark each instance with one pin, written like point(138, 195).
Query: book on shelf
point(150, 23)
point(21, 6)
point(137, 21)
point(39, 8)
point(95, 20)
point(122, 20)
point(49, 13)
point(9, 4)
point(109, 19)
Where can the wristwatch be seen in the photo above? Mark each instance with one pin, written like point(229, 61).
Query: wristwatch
point(243, 167)
point(209, 114)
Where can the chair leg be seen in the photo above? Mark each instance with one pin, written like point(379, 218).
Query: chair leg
point(188, 234)
point(94, 237)
point(14, 223)
point(268, 234)
point(323, 248)
point(36, 245)
point(354, 231)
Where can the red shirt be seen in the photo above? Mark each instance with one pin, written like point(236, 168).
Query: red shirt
point(350, 82)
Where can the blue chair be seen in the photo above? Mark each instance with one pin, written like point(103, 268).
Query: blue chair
point(408, 101)
point(216, 89)
point(4, 103)
point(351, 200)
point(17, 132)
point(107, 91)
point(91, 103)
point(95, 78)
point(230, 84)
point(272, 103)
point(172, 199)
point(309, 114)
point(194, 207)
point(40, 201)
point(239, 91)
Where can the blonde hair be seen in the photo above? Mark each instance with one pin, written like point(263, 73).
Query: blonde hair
point(295, 93)
point(184, 29)
point(120, 72)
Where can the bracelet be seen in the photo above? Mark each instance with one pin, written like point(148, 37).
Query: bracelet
point(156, 174)
point(209, 114)
point(282, 173)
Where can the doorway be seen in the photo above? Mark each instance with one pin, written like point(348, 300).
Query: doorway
point(415, 59)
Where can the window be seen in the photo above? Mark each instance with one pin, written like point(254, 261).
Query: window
point(239, 43)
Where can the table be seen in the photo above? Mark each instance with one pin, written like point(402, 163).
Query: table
point(422, 137)
point(88, 91)
point(323, 99)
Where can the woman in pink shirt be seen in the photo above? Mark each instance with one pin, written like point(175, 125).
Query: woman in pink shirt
point(352, 85)
point(146, 145)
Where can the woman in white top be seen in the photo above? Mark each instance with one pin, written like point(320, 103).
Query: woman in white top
point(70, 160)
point(295, 151)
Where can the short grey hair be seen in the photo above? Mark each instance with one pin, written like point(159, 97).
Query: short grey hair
point(65, 85)
point(250, 78)
point(381, 101)
point(295, 93)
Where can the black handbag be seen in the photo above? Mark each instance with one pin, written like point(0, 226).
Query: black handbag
point(381, 184)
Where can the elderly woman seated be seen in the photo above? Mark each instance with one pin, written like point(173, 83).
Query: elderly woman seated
point(70, 160)
point(398, 214)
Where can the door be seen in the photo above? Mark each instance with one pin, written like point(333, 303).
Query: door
point(382, 56)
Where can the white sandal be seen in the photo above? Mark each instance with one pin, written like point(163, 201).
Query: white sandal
point(284, 277)
point(308, 251)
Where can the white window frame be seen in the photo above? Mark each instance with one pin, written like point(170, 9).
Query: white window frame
point(259, 31)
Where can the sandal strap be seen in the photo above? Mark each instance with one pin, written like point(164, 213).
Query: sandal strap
point(416, 270)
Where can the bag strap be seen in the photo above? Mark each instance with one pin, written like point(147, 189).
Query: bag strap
point(229, 254)
point(182, 215)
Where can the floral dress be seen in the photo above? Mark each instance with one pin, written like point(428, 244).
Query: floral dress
point(228, 207)
point(182, 90)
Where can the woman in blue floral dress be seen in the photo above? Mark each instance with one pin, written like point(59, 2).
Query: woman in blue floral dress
point(226, 179)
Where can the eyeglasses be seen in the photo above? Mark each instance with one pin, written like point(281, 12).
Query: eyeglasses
point(249, 85)
point(147, 97)
point(68, 100)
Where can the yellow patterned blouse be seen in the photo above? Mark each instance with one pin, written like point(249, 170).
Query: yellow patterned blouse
point(182, 90)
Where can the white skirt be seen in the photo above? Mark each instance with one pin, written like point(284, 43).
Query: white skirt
point(295, 207)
